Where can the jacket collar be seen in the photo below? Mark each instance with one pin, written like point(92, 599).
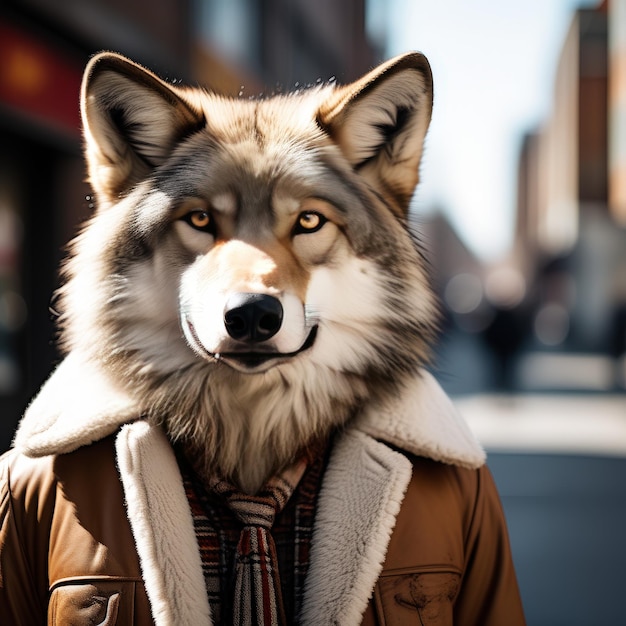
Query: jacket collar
point(79, 405)
point(350, 536)
point(423, 420)
point(76, 406)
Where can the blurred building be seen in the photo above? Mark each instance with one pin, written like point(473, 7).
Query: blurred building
point(530, 199)
point(231, 45)
point(617, 109)
point(280, 44)
point(457, 275)
point(570, 239)
point(572, 154)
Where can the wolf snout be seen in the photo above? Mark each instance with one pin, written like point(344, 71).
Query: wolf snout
point(252, 317)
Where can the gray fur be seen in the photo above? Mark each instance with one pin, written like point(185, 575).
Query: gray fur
point(135, 276)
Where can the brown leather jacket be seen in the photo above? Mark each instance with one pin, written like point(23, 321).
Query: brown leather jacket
point(69, 555)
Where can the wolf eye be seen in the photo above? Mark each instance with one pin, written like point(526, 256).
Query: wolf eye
point(200, 220)
point(309, 222)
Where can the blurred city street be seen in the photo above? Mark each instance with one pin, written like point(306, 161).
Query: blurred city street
point(559, 460)
point(521, 211)
point(566, 515)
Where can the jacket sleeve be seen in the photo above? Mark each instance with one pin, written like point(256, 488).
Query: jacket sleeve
point(23, 559)
point(489, 593)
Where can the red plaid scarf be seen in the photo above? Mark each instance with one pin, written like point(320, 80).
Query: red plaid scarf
point(258, 599)
point(226, 546)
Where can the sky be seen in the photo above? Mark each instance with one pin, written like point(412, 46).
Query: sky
point(493, 64)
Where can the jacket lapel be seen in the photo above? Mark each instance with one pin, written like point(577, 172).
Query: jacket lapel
point(360, 498)
point(357, 508)
point(162, 526)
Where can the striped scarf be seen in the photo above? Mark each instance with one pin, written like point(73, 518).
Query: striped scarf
point(241, 558)
point(258, 599)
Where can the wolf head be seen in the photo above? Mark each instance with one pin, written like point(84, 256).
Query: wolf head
point(248, 276)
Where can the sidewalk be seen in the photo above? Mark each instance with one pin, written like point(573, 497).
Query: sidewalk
point(565, 423)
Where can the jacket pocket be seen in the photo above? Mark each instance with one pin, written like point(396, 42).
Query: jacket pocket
point(91, 603)
point(423, 596)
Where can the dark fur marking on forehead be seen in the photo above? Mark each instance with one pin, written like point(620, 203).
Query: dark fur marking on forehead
point(189, 170)
point(259, 137)
point(345, 202)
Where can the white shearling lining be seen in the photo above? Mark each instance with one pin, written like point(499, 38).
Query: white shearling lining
point(68, 414)
point(361, 496)
point(162, 526)
point(424, 421)
point(76, 406)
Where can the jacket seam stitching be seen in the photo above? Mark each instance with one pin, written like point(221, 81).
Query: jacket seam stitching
point(71, 580)
point(426, 569)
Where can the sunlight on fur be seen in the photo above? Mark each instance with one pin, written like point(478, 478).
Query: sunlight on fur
point(344, 157)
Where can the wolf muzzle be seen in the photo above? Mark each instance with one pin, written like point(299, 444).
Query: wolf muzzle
point(252, 317)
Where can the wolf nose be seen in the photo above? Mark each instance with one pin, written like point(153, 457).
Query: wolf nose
point(252, 317)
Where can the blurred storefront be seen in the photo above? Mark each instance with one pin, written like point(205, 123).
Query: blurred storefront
point(41, 192)
point(43, 195)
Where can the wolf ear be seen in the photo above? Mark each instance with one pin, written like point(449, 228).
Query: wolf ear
point(380, 122)
point(131, 121)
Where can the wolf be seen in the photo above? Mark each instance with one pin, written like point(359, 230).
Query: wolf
point(247, 296)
